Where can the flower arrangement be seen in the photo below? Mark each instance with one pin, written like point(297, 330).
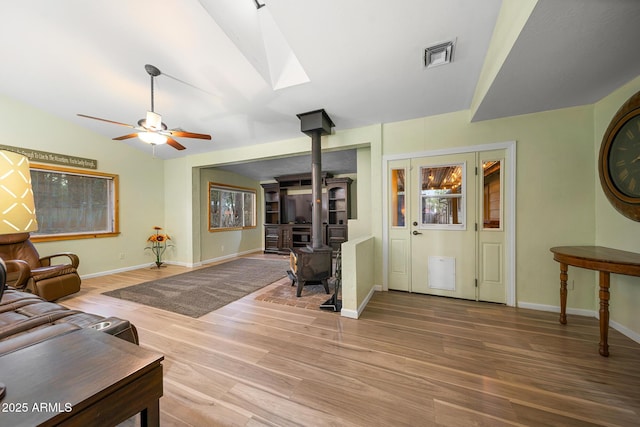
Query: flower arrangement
point(158, 244)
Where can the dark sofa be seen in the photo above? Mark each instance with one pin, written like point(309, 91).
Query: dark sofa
point(26, 319)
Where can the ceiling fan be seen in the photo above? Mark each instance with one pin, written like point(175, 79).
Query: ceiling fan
point(151, 129)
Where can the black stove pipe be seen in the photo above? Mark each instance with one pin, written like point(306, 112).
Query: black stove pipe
point(315, 124)
point(316, 190)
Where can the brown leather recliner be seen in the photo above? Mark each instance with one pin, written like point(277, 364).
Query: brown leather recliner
point(29, 272)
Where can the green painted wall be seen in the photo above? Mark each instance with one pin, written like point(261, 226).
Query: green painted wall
point(357, 275)
point(142, 184)
point(221, 244)
point(613, 229)
point(554, 186)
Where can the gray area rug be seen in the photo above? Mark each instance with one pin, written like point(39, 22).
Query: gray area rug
point(199, 292)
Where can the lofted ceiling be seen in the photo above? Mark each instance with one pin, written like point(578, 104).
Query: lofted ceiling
point(242, 74)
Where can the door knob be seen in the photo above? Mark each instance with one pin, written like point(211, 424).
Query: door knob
point(415, 233)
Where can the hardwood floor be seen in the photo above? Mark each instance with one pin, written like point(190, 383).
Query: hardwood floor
point(410, 360)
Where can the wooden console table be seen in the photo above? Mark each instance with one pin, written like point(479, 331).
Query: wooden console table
point(604, 260)
point(83, 378)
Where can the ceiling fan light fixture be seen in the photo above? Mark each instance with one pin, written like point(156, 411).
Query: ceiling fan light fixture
point(152, 138)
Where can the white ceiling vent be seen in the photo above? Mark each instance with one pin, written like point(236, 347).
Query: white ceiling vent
point(439, 54)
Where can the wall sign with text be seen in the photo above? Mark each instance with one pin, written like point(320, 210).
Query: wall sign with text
point(53, 158)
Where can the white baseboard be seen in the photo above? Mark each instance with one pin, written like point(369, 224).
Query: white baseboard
point(353, 314)
point(182, 264)
point(117, 270)
point(556, 309)
point(582, 312)
point(224, 258)
point(625, 331)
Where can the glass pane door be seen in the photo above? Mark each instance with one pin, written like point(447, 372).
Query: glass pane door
point(442, 196)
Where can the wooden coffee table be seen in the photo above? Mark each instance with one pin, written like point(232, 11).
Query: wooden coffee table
point(83, 378)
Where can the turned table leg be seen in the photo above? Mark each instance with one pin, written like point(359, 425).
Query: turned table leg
point(604, 313)
point(605, 261)
point(563, 293)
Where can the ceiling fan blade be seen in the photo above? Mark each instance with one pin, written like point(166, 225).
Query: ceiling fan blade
point(105, 120)
point(120, 138)
point(185, 134)
point(175, 144)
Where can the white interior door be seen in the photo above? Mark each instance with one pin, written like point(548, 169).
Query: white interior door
point(443, 225)
point(448, 218)
point(492, 269)
point(399, 235)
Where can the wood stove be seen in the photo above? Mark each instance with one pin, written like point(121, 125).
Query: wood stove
point(309, 266)
point(314, 262)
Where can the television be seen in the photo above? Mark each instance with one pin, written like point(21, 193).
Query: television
point(298, 208)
